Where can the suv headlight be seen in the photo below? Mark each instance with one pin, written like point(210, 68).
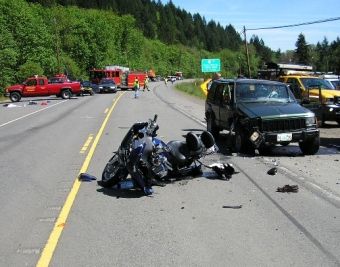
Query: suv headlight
point(310, 121)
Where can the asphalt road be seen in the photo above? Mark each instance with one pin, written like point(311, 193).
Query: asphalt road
point(43, 148)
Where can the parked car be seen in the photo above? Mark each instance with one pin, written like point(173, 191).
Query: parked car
point(317, 95)
point(333, 79)
point(172, 78)
point(40, 86)
point(86, 88)
point(107, 86)
point(259, 114)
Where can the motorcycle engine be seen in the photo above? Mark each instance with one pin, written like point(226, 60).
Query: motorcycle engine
point(159, 165)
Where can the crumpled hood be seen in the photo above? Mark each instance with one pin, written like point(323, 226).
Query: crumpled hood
point(271, 109)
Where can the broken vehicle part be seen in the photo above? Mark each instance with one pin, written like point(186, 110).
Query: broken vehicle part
point(288, 189)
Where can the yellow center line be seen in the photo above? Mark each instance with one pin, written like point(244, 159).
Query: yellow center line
point(53, 239)
point(87, 144)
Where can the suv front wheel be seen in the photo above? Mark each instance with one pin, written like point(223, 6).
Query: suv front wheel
point(242, 144)
point(310, 146)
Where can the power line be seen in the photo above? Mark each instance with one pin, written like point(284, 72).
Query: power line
point(295, 25)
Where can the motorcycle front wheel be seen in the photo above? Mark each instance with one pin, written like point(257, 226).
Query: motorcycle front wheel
point(113, 173)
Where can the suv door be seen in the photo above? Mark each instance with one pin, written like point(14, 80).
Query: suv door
point(217, 102)
point(226, 112)
point(211, 102)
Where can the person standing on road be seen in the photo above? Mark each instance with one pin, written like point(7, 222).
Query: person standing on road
point(166, 81)
point(136, 87)
point(146, 84)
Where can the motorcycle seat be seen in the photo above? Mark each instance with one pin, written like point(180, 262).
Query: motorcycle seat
point(178, 150)
point(194, 144)
point(184, 151)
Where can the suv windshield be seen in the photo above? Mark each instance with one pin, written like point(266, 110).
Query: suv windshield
point(316, 82)
point(263, 93)
point(105, 81)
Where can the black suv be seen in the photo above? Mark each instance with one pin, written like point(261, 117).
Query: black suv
point(259, 114)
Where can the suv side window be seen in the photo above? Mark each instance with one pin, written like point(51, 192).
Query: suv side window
point(219, 93)
point(226, 94)
point(211, 92)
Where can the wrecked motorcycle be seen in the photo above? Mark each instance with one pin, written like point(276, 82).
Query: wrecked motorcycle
point(150, 161)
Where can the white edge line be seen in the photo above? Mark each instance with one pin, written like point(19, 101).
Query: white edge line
point(6, 123)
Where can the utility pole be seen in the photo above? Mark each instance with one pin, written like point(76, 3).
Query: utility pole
point(247, 51)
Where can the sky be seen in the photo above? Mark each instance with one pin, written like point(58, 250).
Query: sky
point(271, 13)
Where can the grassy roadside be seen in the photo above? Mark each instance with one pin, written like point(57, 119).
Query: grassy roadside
point(3, 99)
point(191, 88)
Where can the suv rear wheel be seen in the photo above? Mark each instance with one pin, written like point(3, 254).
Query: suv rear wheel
point(310, 146)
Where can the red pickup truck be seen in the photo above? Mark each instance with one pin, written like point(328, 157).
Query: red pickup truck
point(41, 86)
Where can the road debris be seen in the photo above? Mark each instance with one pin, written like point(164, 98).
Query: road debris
point(12, 106)
point(32, 103)
point(85, 177)
point(288, 189)
point(272, 171)
point(232, 207)
point(224, 171)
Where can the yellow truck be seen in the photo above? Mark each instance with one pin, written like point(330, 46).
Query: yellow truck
point(316, 94)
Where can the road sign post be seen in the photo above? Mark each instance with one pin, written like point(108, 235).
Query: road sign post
point(211, 65)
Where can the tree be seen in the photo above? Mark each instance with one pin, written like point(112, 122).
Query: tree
point(8, 55)
point(302, 54)
point(264, 52)
point(29, 69)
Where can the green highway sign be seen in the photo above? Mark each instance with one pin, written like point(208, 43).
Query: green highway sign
point(211, 65)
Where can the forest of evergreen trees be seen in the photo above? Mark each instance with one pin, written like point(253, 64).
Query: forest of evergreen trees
point(166, 23)
point(73, 36)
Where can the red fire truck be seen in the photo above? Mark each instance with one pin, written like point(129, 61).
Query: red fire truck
point(123, 77)
point(96, 75)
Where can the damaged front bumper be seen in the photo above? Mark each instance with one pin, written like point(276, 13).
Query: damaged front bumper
point(257, 138)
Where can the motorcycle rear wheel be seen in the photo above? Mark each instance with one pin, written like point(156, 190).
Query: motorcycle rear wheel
point(113, 173)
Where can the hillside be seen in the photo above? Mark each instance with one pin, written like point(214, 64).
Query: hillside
point(45, 40)
point(166, 23)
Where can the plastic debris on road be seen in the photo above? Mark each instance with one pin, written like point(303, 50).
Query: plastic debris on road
point(224, 171)
point(272, 171)
point(12, 106)
point(85, 177)
point(232, 207)
point(288, 189)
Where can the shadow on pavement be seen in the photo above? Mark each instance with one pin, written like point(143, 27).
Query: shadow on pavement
point(120, 193)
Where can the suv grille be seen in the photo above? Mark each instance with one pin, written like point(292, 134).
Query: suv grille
point(283, 125)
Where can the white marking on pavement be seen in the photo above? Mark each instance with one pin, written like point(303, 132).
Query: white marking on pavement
point(29, 114)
